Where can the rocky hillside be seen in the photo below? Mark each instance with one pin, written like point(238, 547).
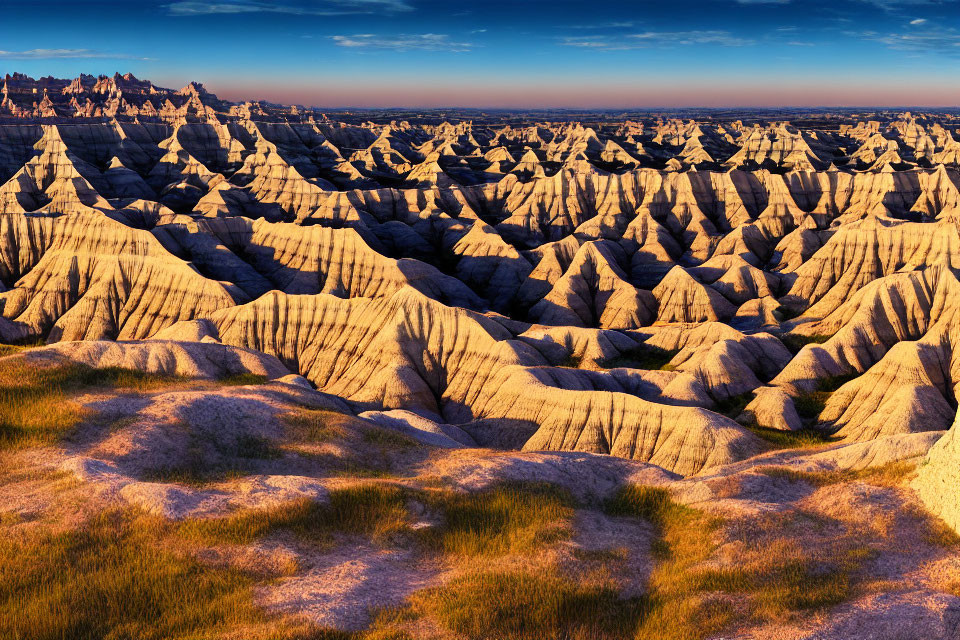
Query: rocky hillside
point(683, 298)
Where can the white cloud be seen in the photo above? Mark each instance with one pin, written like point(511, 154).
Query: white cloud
point(49, 54)
point(891, 5)
point(620, 24)
point(934, 40)
point(918, 21)
point(724, 38)
point(294, 7)
point(656, 40)
point(402, 42)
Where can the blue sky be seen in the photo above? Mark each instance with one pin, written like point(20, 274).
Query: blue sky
point(497, 53)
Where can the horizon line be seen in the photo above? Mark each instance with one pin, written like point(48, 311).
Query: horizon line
point(599, 109)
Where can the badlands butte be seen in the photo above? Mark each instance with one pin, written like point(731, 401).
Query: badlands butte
point(273, 372)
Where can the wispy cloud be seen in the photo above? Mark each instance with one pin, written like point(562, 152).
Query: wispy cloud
point(618, 24)
point(934, 40)
point(294, 7)
point(49, 54)
point(892, 5)
point(724, 38)
point(918, 21)
point(402, 42)
point(885, 4)
point(656, 40)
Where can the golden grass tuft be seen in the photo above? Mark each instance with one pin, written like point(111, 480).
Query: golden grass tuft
point(692, 595)
point(649, 503)
point(125, 575)
point(677, 609)
point(317, 426)
point(810, 404)
point(530, 605)
point(508, 518)
point(888, 475)
point(376, 512)
point(344, 444)
point(19, 346)
point(111, 579)
point(35, 405)
point(953, 588)
point(643, 356)
point(782, 578)
point(242, 379)
point(387, 438)
point(791, 439)
point(504, 519)
point(935, 531)
point(939, 533)
point(794, 342)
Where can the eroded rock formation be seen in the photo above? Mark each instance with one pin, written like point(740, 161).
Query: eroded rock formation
point(620, 288)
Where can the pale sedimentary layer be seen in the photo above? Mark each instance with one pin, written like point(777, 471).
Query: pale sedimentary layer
point(614, 288)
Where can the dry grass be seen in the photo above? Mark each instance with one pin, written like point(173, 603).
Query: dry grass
point(194, 473)
point(241, 379)
point(643, 356)
point(241, 458)
point(935, 531)
point(571, 361)
point(733, 406)
point(115, 579)
point(12, 472)
point(376, 512)
point(676, 608)
point(505, 519)
point(791, 439)
point(781, 577)
point(888, 475)
point(118, 578)
point(387, 438)
point(794, 342)
point(125, 575)
point(345, 445)
point(17, 347)
point(35, 404)
point(653, 504)
point(118, 575)
point(810, 405)
point(543, 602)
point(530, 605)
point(469, 529)
point(510, 518)
point(536, 601)
point(939, 534)
point(315, 426)
point(690, 588)
point(321, 426)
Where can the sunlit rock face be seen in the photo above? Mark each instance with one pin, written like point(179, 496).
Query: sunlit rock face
point(647, 289)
